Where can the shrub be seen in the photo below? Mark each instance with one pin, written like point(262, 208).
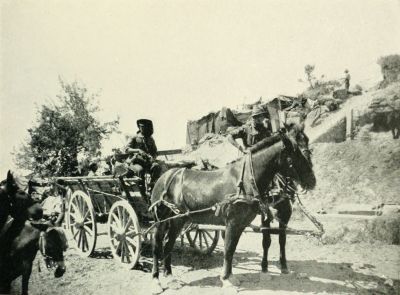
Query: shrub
point(390, 67)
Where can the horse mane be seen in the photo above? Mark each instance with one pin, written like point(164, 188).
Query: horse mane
point(266, 142)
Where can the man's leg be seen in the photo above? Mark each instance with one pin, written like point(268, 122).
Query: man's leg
point(139, 171)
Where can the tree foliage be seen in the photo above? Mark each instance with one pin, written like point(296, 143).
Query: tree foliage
point(66, 130)
point(308, 70)
point(390, 67)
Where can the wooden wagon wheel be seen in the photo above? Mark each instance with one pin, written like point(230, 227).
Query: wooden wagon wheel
point(203, 241)
point(123, 233)
point(82, 223)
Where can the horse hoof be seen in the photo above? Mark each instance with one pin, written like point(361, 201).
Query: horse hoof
point(265, 276)
point(285, 271)
point(232, 281)
point(174, 284)
point(156, 287)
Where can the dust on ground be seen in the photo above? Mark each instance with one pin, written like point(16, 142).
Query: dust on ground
point(316, 269)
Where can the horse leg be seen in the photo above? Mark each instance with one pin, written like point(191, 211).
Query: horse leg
point(5, 287)
point(240, 217)
point(232, 234)
point(25, 277)
point(157, 254)
point(266, 243)
point(284, 214)
point(173, 233)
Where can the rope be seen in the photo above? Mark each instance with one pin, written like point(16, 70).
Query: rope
point(311, 217)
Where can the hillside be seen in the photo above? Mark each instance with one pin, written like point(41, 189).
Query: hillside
point(363, 171)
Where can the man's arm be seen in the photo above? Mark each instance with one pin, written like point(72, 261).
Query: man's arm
point(132, 148)
point(232, 136)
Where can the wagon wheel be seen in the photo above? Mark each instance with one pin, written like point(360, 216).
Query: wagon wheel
point(123, 233)
point(81, 222)
point(203, 241)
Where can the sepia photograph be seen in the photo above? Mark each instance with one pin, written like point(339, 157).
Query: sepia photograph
point(199, 147)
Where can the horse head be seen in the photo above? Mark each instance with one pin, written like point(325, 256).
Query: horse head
point(297, 162)
point(52, 245)
point(14, 197)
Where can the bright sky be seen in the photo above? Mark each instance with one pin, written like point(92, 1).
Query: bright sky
point(171, 61)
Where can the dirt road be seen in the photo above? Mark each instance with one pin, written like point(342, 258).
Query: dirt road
point(316, 269)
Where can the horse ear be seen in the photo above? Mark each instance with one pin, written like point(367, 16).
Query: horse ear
point(10, 182)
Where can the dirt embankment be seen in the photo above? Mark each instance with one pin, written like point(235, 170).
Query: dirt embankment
point(363, 171)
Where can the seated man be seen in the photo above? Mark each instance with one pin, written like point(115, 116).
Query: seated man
point(143, 150)
point(52, 204)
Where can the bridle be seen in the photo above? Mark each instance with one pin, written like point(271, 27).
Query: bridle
point(248, 159)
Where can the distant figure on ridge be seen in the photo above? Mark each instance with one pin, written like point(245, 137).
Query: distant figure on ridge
point(346, 80)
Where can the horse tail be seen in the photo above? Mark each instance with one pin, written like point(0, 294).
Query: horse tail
point(160, 191)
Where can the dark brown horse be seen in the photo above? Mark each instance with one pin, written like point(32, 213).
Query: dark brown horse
point(189, 190)
point(21, 236)
point(282, 203)
point(14, 200)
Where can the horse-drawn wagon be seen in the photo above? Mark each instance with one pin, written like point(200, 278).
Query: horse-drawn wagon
point(115, 203)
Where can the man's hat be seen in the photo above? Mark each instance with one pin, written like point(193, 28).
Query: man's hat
point(144, 122)
point(346, 70)
point(258, 110)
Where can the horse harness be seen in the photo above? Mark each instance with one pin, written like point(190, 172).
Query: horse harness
point(241, 196)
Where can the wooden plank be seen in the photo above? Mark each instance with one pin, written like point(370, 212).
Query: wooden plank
point(345, 216)
point(358, 212)
point(93, 178)
point(257, 229)
point(169, 152)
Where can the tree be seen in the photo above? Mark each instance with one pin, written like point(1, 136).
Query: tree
point(309, 69)
point(65, 130)
point(390, 67)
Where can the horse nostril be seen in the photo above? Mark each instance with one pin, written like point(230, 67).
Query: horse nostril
point(59, 272)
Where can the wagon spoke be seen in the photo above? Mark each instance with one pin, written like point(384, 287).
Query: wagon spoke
point(116, 219)
point(114, 227)
point(72, 215)
point(118, 247)
point(88, 230)
point(208, 234)
point(85, 244)
point(131, 232)
point(76, 233)
point(128, 252)
point(83, 206)
point(128, 224)
point(119, 213)
point(79, 238)
point(200, 242)
point(195, 237)
point(79, 203)
point(124, 217)
point(86, 214)
point(131, 241)
point(205, 239)
point(76, 210)
point(132, 246)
